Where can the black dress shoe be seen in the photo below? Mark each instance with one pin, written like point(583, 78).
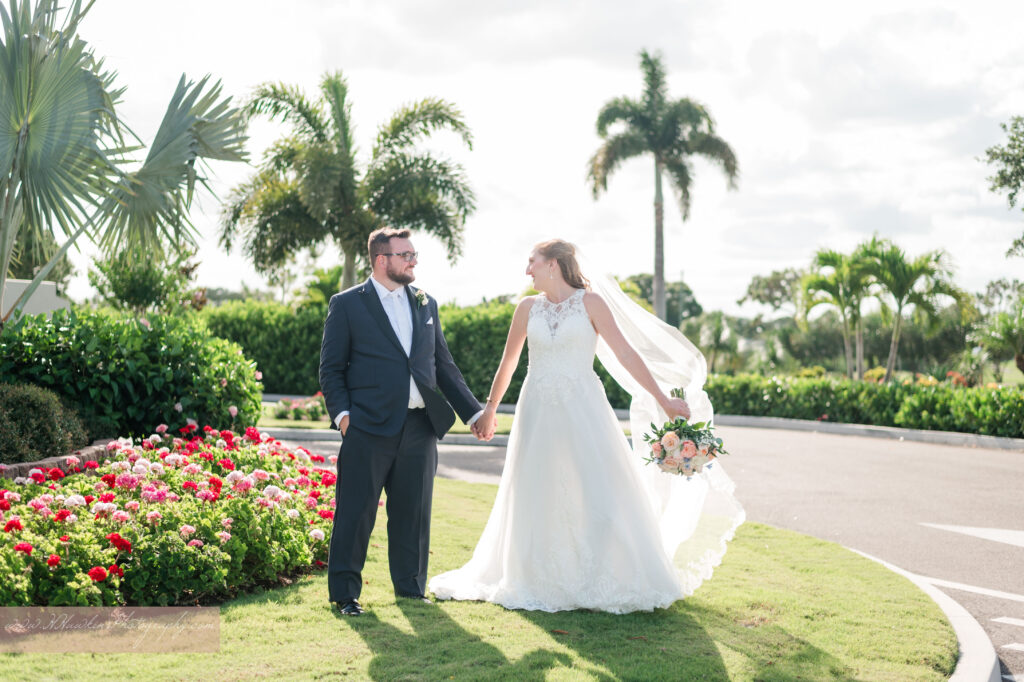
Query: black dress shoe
point(347, 608)
point(417, 597)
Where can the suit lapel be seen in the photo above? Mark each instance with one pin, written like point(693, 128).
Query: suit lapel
point(373, 304)
point(417, 322)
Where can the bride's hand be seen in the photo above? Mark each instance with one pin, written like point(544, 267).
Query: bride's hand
point(677, 407)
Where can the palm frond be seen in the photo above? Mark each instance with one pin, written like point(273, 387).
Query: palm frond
point(335, 94)
point(610, 155)
point(620, 110)
point(419, 120)
point(655, 85)
point(718, 151)
point(681, 176)
point(280, 100)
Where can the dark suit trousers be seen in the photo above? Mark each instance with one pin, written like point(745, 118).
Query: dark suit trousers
point(403, 466)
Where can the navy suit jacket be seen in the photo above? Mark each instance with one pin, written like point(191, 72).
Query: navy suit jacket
point(364, 369)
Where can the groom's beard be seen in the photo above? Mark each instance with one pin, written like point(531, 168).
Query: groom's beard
point(402, 278)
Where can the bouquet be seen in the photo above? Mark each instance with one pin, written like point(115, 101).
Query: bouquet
point(682, 448)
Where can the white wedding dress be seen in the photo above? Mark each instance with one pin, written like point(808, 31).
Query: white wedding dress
point(576, 523)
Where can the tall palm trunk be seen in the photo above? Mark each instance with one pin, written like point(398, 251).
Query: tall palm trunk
point(659, 244)
point(860, 348)
point(847, 348)
point(894, 344)
point(348, 274)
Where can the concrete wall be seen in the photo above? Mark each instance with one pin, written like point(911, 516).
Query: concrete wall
point(44, 300)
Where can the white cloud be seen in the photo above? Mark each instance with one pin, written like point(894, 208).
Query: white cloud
point(846, 119)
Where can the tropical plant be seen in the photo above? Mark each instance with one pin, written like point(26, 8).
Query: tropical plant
point(31, 255)
point(841, 281)
point(1002, 335)
point(673, 131)
point(1009, 163)
point(680, 303)
point(920, 283)
point(310, 190)
point(324, 283)
point(141, 281)
point(780, 288)
point(63, 149)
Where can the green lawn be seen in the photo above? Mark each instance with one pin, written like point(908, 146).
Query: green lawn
point(781, 607)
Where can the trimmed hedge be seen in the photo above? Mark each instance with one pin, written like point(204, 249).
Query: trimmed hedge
point(123, 375)
point(284, 342)
point(34, 425)
point(941, 407)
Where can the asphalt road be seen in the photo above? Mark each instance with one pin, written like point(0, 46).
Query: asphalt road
point(953, 515)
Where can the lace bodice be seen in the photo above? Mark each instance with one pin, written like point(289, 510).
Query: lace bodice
point(561, 338)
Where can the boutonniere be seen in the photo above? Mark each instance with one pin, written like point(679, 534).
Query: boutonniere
point(421, 298)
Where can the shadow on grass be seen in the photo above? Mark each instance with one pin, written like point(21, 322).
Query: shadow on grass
point(439, 648)
point(670, 644)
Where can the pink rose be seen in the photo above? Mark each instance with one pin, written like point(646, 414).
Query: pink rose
point(670, 441)
point(656, 448)
point(689, 449)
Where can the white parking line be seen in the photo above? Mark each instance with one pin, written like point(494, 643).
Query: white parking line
point(976, 590)
point(1004, 535)
point(1009, 621)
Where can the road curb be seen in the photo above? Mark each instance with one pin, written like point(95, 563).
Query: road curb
point(978, 660)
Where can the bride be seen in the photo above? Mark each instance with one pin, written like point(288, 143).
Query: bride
point(579, 522)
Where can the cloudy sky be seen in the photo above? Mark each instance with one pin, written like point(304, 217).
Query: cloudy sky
point(848, 119)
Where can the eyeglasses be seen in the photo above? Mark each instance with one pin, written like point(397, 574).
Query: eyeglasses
point(407, 256)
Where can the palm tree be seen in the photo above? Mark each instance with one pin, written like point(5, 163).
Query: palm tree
point(1002, 335)
point(672, 131)
point(310, 188)
point(62, 146)
point(831, 283)
point(903, 282)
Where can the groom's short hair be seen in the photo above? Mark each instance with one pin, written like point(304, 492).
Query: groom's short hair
point(380, 241)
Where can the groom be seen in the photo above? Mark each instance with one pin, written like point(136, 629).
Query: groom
point(388, 379)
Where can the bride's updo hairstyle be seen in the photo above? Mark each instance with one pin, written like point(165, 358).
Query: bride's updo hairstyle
point(564, 254)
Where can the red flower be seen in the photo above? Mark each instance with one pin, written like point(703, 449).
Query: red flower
point(56, 474)
point(64, 538)
point(207, 456)
point(116, 570)
point(314, 493)
point(121, 543)
point(98, 573)
point(107, 497)
point(227, 464)
point(13, 524)
point(252, 434)
point(216, 482)
point(317, 458)
point(91, 464)
point(319, 564)
point(89, 499)
point(38, 477)
point(62, 515)
point(208, 429)
point(53, 560)
point(190, 485)
point(23, 547)
point(326, 514)
point(109, 479)
point(227, 435)
point(5, 505)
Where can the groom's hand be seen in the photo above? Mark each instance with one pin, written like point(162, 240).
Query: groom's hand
point(343, 425)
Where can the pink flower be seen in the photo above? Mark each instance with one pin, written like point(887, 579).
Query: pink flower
point(656, 448)
point(162, 428)
point(224, 535)
point(223, 383)
point(127, 481)
point(260, 475)
point(259, 375)
point(292, 514)
point(132, 505)
point(233, 411)
point(227, 523)
point(72, 461)
point(316, 534)
point(670, 441)
point(195, 543)
point(178, 407)
point(689, 449)
point(187, 530)
point(154, 516)
point(121, 516)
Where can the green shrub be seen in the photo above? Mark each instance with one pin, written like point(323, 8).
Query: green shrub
point(943, 407)
point(124, 375)
point(35, 425)
point(284, 342)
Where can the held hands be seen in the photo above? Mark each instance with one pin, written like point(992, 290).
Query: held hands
point(676, 407)
point(484, 427)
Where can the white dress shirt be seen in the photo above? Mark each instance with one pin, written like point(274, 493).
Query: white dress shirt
point(397, 308)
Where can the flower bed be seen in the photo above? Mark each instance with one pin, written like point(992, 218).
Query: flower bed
point(183, 520)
